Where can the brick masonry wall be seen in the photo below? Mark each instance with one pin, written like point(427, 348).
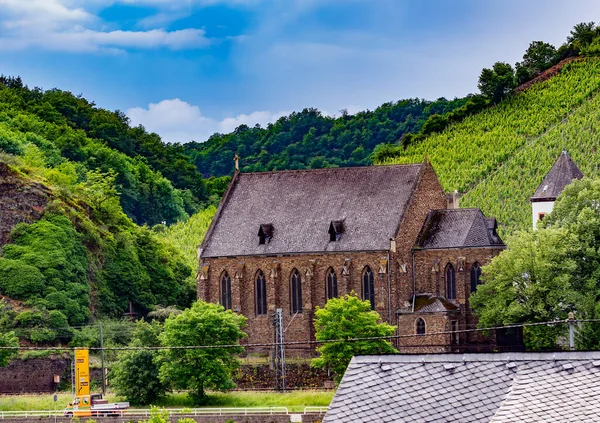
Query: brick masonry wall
point(278, 270)
point(33, 375)
point(429, 195)
point(37, 376)
point(433, 282)
point(298, 376)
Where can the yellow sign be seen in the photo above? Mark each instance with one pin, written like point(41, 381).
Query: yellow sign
point(82, 372)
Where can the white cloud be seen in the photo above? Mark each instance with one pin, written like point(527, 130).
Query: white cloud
point(178, 121)
point(60, 26)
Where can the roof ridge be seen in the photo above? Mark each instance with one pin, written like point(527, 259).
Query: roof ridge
point(330, 169)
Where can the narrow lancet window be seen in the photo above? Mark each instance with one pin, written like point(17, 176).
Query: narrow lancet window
point(226, 291)
point(296, 292)
point(369, 286)
point(450, 282)
point(332, 287)
point(261, 293)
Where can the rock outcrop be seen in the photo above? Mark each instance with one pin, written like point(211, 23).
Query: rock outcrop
point(20, 201)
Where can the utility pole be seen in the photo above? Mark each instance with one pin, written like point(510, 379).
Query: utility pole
point(279, 357)
point(102, 360)
point(571, 321)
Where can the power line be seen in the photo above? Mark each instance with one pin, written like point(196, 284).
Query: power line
point(307, 342)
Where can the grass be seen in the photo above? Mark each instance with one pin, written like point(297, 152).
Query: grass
point(294, 400)
point(37, 401)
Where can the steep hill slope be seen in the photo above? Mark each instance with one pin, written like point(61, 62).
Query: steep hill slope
point(499, 156)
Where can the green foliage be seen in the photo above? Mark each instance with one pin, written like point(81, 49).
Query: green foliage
point(538, 57)
point(20, 280)
point(205, 368)
point(115, 332)
point(8, 339)
point(186, 236)
point(545, 274)
point(47, 265)
point(529, 282)
point(348, 318)
point(135, 374)
point(158, 415)
point(307, 139)
point(583, 34)
point(577, 210)
point(498, 82)
point(144, 270)
point(499, 156)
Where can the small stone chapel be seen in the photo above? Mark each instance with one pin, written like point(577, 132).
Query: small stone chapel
point(294, 239)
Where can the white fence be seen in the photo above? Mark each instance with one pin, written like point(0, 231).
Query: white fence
point(144, 412)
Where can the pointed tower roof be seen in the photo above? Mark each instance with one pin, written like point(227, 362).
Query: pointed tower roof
point(562, 174)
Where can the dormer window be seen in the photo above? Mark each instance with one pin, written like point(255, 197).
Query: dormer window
point(336, 229)
point(265, 233)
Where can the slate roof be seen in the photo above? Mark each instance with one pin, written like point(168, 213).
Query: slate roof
point(562, 174)
point(470, 388)
point(428, 303)
point(301, 206)
point(458, 228)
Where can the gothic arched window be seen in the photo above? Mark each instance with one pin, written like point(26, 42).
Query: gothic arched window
point(296, 292)
point(260, 292)
point(450, 282)
point(420, 326)
point(226, 291)
point(475, 276)
point(332, 288)
point(369, 286)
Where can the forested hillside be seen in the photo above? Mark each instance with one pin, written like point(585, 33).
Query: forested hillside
point(156, 181)
point(78, 253)
point(498, 157)
point(308, 139)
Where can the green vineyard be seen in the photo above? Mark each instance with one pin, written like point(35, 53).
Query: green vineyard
point(497, 158)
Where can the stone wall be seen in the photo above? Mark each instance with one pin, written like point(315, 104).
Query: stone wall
point(429, 195)
point(430, 278)
point(37, 376)
point(313, 269)
point(33, 375)
point(298, 376)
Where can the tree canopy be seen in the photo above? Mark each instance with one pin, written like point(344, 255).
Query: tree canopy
point(344, 319)
point(201, 369)
point(135, 374)
point(546, 273)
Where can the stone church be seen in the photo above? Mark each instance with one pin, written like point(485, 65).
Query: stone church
point(294, 239)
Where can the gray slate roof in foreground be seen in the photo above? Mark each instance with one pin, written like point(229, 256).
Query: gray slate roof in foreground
point(563, 172)
point(482, 388)
point(302, 204)
point(458, 228)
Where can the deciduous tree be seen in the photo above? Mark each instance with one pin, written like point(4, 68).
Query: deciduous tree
point(200, 369)
point(344, 319)
point(498, 82)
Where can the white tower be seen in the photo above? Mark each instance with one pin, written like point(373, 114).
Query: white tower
point(562, 174)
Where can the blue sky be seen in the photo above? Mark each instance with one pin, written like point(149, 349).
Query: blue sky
point(188, 68)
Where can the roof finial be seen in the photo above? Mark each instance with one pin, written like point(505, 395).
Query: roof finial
point(236, 159)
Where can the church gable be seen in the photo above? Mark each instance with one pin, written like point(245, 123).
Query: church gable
point(321, 210)
point(458, 228)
